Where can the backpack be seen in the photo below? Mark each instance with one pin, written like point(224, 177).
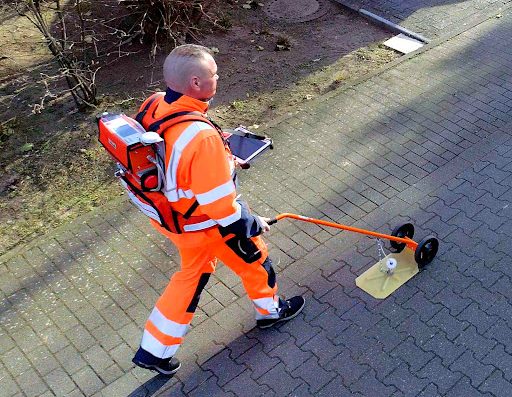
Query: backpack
point(140, 157)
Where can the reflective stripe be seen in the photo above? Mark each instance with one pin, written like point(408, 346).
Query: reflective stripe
point(216, 193)
point(167, 326)
point(228, 220)
point(156, 348)
point(266, 307)
point(171, 187)
point(145, 208)
point(179, 194)
point(194, 227)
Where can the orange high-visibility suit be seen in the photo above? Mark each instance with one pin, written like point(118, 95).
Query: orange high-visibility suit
point(199, 180)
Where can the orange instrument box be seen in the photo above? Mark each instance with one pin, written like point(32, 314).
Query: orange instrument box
point(120, 135)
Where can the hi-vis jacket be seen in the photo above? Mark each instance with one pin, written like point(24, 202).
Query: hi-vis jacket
point(199, 167)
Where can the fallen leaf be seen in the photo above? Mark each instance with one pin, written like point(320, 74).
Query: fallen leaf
point(27, 147)
point(280, 47)
point(246, 6)
point(215, 50)
point(259, 48)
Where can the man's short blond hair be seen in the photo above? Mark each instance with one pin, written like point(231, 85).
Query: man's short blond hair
point(182, 63)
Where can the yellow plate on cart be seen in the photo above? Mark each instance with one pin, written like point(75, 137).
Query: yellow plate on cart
point(377, 282)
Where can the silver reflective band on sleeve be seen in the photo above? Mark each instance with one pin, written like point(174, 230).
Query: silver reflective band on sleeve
point(216, 193)
point(167, 326)
point(156, 348)
point(171, 191)
point(194, 227)
point(228, 220)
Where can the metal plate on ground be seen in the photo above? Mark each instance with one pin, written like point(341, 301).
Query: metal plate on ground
point(296, 10)
point(380, 284)
point(403, 43)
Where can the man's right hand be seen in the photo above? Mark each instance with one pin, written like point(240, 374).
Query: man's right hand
point(263, 222)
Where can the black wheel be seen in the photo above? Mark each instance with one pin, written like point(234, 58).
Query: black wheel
point(405, 230)
point(426, 251)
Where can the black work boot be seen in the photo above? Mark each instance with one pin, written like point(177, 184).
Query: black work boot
point(164, 366)
point(288, 310)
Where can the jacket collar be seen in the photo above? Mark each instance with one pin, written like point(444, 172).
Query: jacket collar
point(173, 97)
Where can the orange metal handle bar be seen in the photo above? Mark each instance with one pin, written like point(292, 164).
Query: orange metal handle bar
point(407, 241)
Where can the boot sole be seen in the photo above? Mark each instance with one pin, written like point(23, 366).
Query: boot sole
point(158, 369)
point(283, 319)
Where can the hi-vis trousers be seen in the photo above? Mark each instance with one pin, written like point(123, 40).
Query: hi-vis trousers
point(199, 251)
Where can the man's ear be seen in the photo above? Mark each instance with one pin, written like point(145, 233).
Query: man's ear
point(194, 82)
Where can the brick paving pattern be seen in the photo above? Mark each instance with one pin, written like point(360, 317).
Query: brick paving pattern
point(427, 141)
point(432, 19)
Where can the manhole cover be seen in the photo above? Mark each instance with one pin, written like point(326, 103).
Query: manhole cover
point(296, 10)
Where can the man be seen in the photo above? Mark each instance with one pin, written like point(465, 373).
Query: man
point(200, 186)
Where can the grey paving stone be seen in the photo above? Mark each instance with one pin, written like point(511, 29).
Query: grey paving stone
point(474, 315)
point(98, 358)
point(9, 386)
point(107, 337)
point(405, 381)
point(501, 360)
point(379, 361)
point(482, 296)
point(362, 317)
point(111, 374)
point(31, 384)
point(368, 384)
point(441, 346)
point(449, 324)
point(15, 361)
point(315, 376)
point(121, 387)
point(243, 383)
point(279, 380)
point(417, 329)
point(70, 359)
point(501, 332)
point(60, 382)
point(472, 368)
point(87, 381)
point(349, 369)
point(223, 367)
point(256, 360)
point(289, 354)
point(475, 343)
point(80, 338)
point(464, 388)
point(496, 385)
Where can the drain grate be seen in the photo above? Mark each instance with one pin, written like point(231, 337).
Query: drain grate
point(296, 10)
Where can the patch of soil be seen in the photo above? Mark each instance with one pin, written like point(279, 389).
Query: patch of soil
point(53, 169)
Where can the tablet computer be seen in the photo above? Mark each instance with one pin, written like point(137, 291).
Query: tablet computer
point(244, 146)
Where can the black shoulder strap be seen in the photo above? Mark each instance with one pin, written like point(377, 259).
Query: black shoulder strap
point(142, 113)
point(191, 210)
point(155, 126)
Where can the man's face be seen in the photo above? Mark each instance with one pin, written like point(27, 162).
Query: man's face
point(207, 79)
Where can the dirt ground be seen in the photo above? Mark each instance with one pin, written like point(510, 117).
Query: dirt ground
point(52, 167)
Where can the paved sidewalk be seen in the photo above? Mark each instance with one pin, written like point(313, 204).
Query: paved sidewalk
point(427, 141)
point(431, 18)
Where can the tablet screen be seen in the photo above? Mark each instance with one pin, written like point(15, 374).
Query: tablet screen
point(245, 148)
